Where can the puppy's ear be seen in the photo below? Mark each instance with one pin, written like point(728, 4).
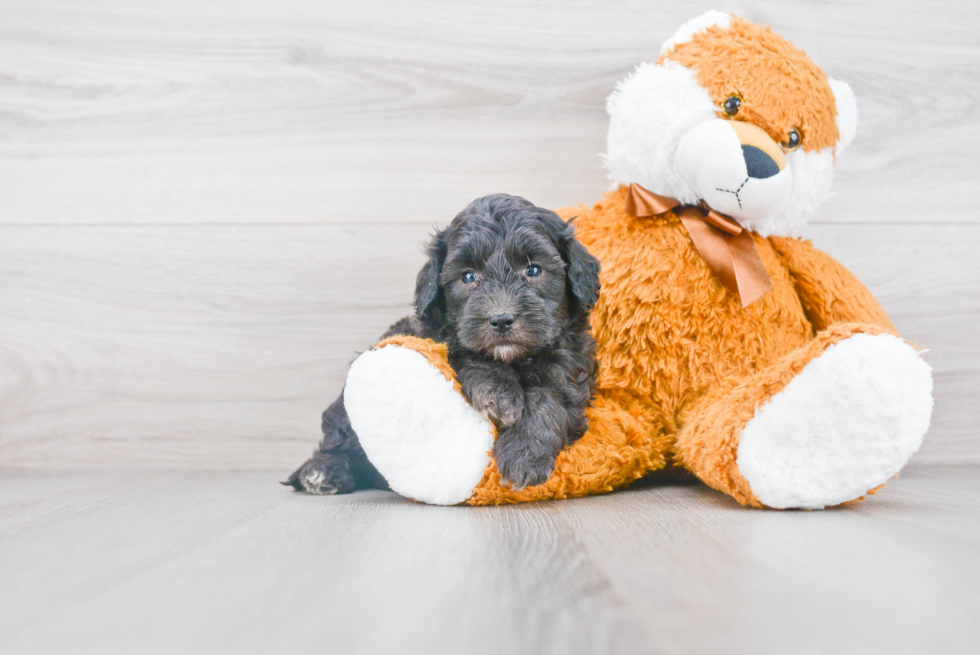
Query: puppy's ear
point(582, 273)
point(429, 301)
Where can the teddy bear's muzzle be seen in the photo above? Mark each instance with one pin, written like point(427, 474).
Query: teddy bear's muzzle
point(736, 168)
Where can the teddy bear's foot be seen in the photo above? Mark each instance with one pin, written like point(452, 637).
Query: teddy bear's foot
point(823, 427)
point(414, 424)
point(845, 425)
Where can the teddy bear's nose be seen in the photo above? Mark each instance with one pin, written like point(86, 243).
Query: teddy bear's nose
point(763, 158)
point(758, 164)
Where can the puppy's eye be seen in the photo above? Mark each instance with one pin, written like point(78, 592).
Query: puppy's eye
point(469, 277)
point(793, 140)
point(732, 105)
point(534, 270)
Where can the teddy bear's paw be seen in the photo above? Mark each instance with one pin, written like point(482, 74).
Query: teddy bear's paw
point(416, 428)
point(845, 425)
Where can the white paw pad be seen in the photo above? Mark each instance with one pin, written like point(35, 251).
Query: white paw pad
point(844, 425)
point(418, 431)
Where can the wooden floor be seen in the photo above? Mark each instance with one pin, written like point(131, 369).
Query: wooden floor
point(221, 562)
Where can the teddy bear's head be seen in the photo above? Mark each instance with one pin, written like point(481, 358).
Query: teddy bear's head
point(733, 115)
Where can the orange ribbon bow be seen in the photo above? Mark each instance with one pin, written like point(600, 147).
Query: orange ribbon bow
point(726, 248)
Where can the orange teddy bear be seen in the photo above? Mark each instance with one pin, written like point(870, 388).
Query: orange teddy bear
point(725, 345)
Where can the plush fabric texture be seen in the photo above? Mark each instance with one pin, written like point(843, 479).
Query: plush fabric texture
point(848, 421)
point(430, 443)
point(624, 442)
point(649, 113)
point(709, 442)
point(805, 398)
point(828, 292)
point(684, 33)
point(813, 176)
point(437, 354)
point(780, 87)
point(847, 113)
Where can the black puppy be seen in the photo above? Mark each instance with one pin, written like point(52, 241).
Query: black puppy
point(509, 289)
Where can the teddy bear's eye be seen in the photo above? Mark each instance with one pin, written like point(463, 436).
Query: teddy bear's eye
point(732, 105)
point(793, 140)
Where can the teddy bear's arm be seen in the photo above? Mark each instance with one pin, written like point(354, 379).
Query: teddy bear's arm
point(829, 292)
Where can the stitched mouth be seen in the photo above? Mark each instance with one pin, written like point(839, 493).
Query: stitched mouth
point(736, 191)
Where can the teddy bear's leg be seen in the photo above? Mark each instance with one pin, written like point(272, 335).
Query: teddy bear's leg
point(413, 422)
point(823, 426)
point(418, 430)
point(626, 439)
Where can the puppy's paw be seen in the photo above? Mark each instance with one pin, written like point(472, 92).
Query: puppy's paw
point(506, 409)
point(324, 474)
point(521, 474)
point(502, 400)
point(522, 462)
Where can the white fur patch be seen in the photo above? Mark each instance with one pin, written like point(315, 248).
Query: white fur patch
point(847, 113)
point(419, 432)
point(687, 31)
point(649, 113)
point(845, 424)
point(813, 176)
point(507, 353)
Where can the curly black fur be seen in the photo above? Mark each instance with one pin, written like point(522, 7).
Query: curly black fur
point(509, 289)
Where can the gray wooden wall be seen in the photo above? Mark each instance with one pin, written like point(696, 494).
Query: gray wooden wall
point(207, 209)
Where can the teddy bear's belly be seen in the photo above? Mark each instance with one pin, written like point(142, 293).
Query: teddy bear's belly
point(667, 330)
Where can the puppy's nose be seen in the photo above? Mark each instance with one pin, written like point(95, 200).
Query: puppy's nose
point(501, 322)
point(759, 164)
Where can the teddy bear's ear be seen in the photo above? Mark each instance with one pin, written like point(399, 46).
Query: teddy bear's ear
point(686, 31)
point(847, 113)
